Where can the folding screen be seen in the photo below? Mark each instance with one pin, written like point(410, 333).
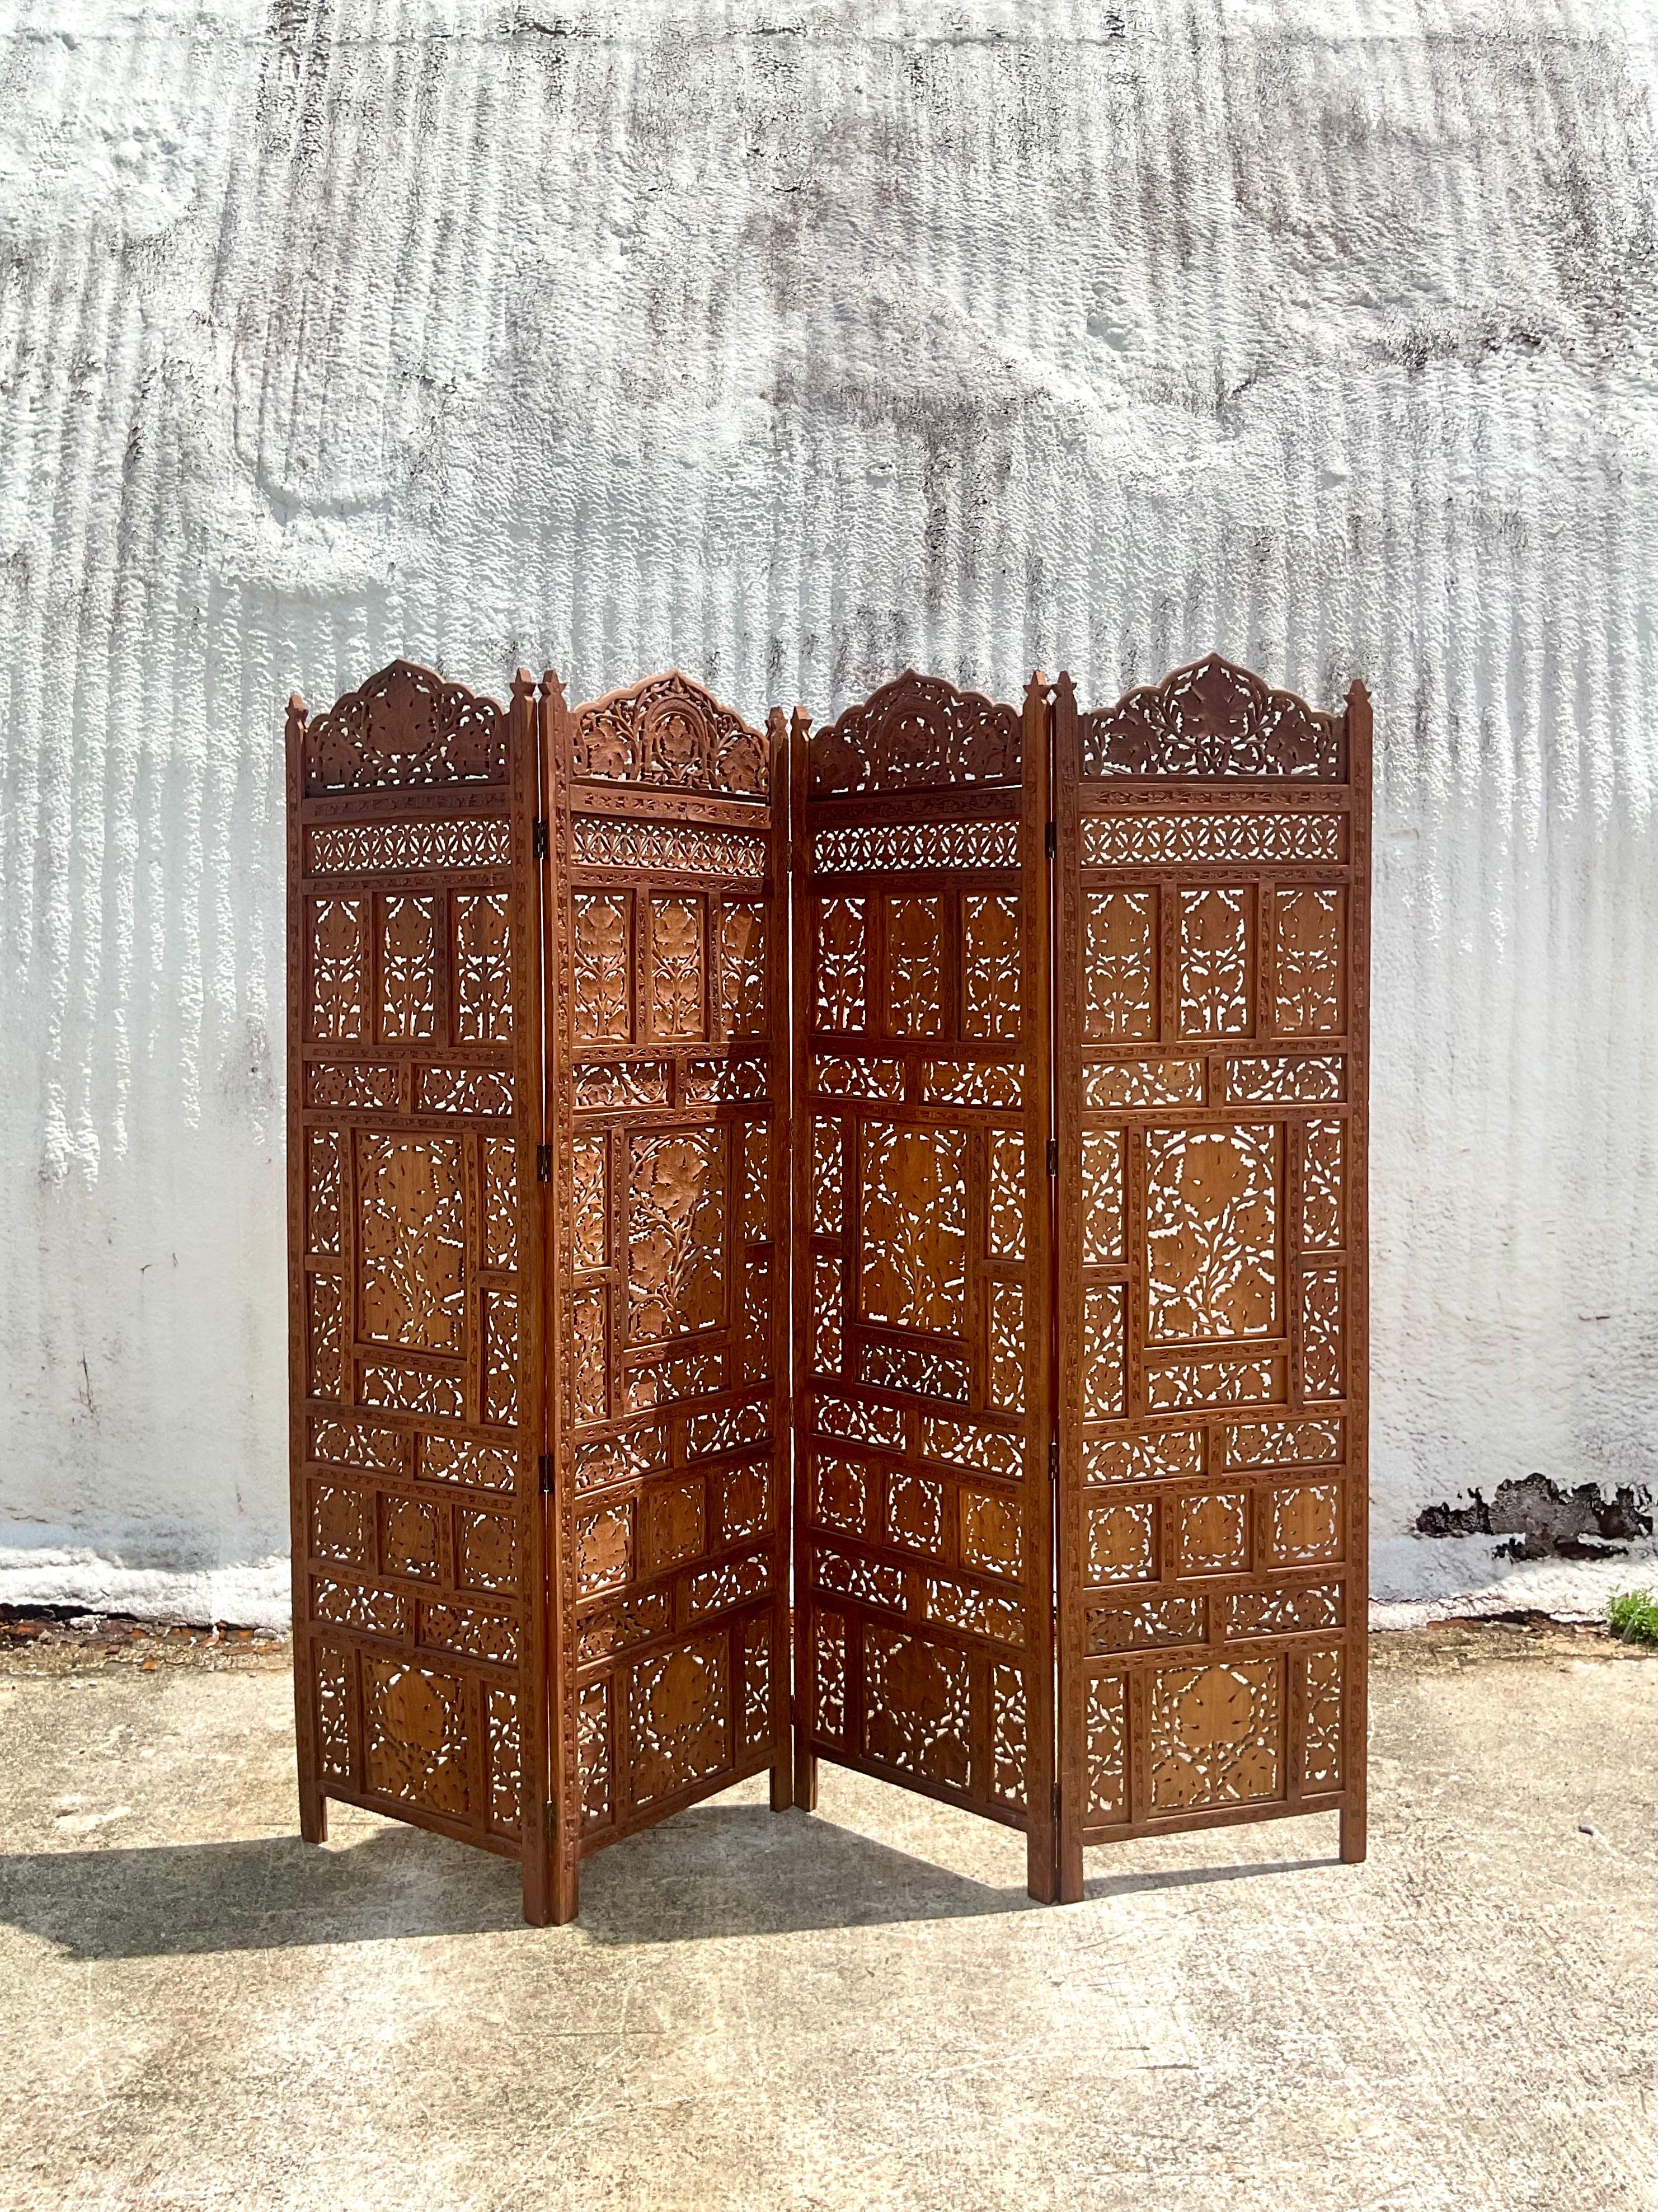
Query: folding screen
point(1075, 1446)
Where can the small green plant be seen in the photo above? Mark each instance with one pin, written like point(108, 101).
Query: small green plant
point(1633, 1615)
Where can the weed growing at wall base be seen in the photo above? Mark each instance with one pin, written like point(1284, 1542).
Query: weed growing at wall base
point(1633, 1615)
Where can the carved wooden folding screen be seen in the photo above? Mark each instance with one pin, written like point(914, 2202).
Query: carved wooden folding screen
point(668, 1031)
point(1102, 1226)
point(1213, 857)
point(922, 1421)
point(415, 1340)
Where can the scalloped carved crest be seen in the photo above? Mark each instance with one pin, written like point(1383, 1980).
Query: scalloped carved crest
point(1211, 719)
point(670, 731)
point(405, 726)
point(916, 733)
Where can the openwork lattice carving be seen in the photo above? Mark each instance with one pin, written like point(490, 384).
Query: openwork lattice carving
point(1130, 838)
point(415, 1735)
point(1120, 966)
point(1211, 720)
point(915, 1227)
point(1211, 1232)
point(670, 734)
point(916, 733)
point(1216, 1734)
point(1324, 1765)
point(841, 968)
point(1108, 1740)
point(880, 847)
point(406, 728)
point(412, 1242)
point(1310, 934)
point(916, 1707)
point(1215, 966)
point(363, 848)
point(669, 848)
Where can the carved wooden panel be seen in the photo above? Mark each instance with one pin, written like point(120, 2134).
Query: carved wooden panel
point(1210, 1079)
point(921, 1265)
point(667, 1026)
point(416, 1274)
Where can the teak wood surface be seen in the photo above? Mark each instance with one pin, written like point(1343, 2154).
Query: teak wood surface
point(842, 1244)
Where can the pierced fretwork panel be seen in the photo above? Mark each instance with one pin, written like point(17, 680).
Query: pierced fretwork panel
point(1213, 848)
point(413, 1151)
point(669, 1073)
point(921, 1256)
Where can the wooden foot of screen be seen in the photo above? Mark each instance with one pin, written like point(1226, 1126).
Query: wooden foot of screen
point(1041, 1868)
point(314, 1815)
point(805, 1780)
point(1070, 1885)
point(782, 1782)
point(1353, 1836)
point(538, 1890)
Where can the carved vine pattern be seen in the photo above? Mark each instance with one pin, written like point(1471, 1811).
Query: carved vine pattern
point(1211, 719)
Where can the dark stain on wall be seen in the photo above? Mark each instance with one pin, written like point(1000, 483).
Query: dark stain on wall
point(1542, 1521)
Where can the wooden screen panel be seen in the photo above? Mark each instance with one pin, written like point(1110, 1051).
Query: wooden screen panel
point(921, 1265)
point(415, 1270)
point(669, 1024)
point(1213, 848)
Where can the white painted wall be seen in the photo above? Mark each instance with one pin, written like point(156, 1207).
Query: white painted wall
point(793, 343)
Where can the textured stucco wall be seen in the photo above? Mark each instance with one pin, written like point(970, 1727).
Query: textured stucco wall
point(794, 343)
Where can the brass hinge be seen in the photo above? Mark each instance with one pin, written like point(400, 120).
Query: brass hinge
point(1051, 841)
point(544, 1162)
point(1053, 1460)
point(546, 1465)
point(1056, 1804)
point(538, 839)
point(1053, 1155)
point(549, 1820)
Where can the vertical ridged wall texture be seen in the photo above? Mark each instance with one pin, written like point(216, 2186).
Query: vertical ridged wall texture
point(793, 344)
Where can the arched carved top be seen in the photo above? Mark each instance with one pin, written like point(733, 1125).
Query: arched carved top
point(916, 733)
point(405, 726)
point(1211, 719)
point(670, 732)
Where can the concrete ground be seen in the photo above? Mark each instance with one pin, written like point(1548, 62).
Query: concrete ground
point(856, 2009)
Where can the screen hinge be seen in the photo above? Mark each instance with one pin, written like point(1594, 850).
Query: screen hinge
point(538, 839)
point(1053, 1460)
point(545, 1464)
point(1051, 840)
point(544, 1162)
point(1056, 1804)
point(549, 1819)
point(1053, 1155)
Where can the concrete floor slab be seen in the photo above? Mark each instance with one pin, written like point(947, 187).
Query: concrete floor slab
point(859, 2009)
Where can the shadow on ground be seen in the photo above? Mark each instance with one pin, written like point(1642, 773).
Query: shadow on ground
point(715, 1871)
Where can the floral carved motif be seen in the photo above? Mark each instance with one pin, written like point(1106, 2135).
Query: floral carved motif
point(916, 733)
point(1215, 1734)
point(1211, 719)
point(670, 731)
point(406, 726)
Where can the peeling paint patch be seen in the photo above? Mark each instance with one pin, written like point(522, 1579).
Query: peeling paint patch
point(1542, 1521)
